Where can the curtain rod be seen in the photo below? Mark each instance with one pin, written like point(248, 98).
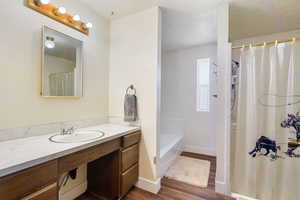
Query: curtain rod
point(265, 43)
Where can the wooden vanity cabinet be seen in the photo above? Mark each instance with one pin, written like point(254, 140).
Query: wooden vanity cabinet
point(112, 176)
point(31, 184)
point(74, 160)
point(112, 171)
point(129, 162)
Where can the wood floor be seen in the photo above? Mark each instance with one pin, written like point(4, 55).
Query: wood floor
point(175, 190)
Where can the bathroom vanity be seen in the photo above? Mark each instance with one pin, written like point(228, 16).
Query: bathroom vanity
point(112, 167)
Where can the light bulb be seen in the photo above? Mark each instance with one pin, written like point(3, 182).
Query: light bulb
point(49, 43)
point(76, 18)
point(42, 2)
point(88, 25)
point(60, 11)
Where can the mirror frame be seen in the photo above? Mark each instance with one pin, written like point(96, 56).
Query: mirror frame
point(43, 68)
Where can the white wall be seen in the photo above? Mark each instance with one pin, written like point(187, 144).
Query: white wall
point(134, 60)
point(20, 65)
point(20, 61)
point(224, 91)
point(179, 84)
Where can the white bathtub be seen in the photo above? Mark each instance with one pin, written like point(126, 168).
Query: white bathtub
point(168, 142)
point(171, 145)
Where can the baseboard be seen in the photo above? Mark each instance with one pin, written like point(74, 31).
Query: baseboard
point(150, 186)
point(200, 150)
point(74, 192)
point(221, 187)
point(241, 197)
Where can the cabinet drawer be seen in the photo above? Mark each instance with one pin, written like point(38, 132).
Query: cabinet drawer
point(18, 185)
point(130, 156)
point(131, 139)
point(74, 160)
point(49, 193)
point(128, 179)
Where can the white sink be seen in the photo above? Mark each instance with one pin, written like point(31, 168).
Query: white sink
point(77, 136)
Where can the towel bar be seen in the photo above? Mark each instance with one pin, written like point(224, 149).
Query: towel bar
point(131, 87)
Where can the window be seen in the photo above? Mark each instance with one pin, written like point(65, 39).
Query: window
point(203, 66)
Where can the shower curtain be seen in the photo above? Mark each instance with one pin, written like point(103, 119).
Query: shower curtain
point(61, 84)
point(269, 81)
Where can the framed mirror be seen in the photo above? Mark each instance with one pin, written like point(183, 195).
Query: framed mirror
point(62, 65)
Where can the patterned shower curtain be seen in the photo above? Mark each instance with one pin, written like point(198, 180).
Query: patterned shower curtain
point(268, 89)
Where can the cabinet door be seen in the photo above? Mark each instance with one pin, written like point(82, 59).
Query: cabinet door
point(49, 193)
point(130, 157)
point(128, 179)
point(18, 185)
point(131, 139)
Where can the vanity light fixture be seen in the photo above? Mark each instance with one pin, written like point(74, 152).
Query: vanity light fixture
point(42, 2)
point(60, 11)
point(59, 14)
point(49, 43)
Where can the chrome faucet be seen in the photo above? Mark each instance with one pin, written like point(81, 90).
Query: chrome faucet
point(69, 131)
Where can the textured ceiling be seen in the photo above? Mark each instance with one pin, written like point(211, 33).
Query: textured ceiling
point(193, 22)
point(186, 23)
point(127, 7)
point(119, 7)
point(184, 31)
point(250, 18)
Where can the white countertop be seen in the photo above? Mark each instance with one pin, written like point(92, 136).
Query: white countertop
point(19, 154)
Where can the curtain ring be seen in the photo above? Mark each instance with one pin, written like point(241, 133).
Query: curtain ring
point(265, 44)
point(243, 47)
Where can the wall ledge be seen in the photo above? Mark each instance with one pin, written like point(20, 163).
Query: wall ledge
point(200, 150)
